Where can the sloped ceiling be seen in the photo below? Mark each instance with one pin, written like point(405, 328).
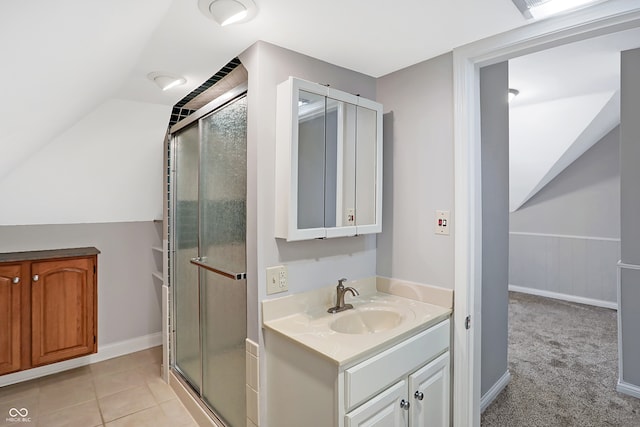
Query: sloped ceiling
point(569, 99)
point(62, 59)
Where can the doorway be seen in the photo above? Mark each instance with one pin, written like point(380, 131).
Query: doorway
point(599, 20)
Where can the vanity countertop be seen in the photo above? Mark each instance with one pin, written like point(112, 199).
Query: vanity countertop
point(303, 318)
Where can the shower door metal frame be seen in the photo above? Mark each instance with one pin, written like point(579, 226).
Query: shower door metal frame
point(210, 108)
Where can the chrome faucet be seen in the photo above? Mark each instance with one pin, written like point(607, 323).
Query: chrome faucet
point(340, 291)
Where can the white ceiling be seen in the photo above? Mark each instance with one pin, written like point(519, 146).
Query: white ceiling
point(63, 59)
point(569, 99)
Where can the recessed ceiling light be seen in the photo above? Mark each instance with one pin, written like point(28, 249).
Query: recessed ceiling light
point(226, 12)
point(539, 9)
point(166, 81)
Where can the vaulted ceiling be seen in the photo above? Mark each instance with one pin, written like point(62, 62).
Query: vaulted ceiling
point(62, 60)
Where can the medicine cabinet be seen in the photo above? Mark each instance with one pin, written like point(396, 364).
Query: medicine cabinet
point(328, 162)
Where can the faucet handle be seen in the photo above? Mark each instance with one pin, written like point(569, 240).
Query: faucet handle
point(341, 281)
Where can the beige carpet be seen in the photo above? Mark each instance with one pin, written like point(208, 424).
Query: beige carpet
point(563, 360)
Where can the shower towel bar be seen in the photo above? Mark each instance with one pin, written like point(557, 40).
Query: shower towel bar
point(230, 275)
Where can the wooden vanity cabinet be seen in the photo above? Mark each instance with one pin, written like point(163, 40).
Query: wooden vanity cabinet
point(48, 307)
point(11, 287)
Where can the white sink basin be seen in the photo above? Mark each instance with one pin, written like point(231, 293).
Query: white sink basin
point(366, 321)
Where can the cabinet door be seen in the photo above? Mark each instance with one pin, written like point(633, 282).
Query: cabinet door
point(63, 310)
point(10, 289)
point(429, 390)
point(384, 410)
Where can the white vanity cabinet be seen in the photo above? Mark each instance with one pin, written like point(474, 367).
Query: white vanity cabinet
point(328, 162)
point(406, 384)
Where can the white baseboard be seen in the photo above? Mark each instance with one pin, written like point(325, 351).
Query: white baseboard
point(629, 389)
point(494, 391)
point(565, 297)
point(107, 351)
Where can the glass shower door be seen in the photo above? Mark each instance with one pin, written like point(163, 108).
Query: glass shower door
point(186, 281)
point(223, 188)
point(210, 259)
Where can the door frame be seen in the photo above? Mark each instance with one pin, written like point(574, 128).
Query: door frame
point(604, 18)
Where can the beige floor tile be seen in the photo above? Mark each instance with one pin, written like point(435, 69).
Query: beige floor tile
point(151, 417)
point(78, 375)
point(161, 391)
point(117, 382)
point(111, 366)
point(56, 397)
point(19, 391)
point(83, 415)
point(177, 413)
point(151, 356)
point(126, 402)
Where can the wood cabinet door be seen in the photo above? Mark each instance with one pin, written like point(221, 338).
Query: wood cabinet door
point(429, 390)
point(383, 410)
point(63, 313)
point(10, 309)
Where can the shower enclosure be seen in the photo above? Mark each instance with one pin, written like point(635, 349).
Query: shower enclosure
point(208, 256)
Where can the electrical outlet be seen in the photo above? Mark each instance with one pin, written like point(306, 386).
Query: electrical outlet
point(277, 279)
point(442, 222)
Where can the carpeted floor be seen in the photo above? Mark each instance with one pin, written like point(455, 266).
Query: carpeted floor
point(563, 360)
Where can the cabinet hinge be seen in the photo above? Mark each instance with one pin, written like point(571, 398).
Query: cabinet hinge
point(94, 269)
point(467, 322)
point(94, 339)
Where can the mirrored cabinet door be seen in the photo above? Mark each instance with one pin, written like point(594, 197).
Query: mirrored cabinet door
point(328, 162)
point(311, 179)
point(367, 157)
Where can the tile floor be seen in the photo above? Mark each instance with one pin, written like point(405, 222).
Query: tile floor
point(126, 391)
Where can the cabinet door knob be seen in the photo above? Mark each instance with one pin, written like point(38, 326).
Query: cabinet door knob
point(404, 404)
point(16, 280)
point(418, 395)
point(36, 277)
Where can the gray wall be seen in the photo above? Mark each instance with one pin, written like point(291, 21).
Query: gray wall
point(565, 239)
point(583, 200)
point(129, 298)
point(495, 222)
point(311, 264)
point(418, 172)
point(629, 224)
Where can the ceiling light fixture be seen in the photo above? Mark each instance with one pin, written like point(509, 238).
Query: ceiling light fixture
point(512, 94)
point(539, 9)
point(226, 12)
point(166, 81)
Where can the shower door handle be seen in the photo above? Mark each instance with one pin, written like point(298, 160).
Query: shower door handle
point(200, 262)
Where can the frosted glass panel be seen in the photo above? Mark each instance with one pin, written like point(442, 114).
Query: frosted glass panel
point(223, 187)
point(223, 173)
point(186, 293)
point(224, 331)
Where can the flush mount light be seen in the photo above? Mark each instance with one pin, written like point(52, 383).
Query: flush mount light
point(226, 12)
point(166, 81)
point(512, 94)
point(539, 9)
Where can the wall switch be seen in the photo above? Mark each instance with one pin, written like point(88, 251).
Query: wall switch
point(442, 222)
point(277, 279)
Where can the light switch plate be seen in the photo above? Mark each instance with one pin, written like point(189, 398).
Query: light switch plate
point(442, 222)
point(277, 279)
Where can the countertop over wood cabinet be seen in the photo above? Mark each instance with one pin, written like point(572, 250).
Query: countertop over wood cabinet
point(48, 307)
